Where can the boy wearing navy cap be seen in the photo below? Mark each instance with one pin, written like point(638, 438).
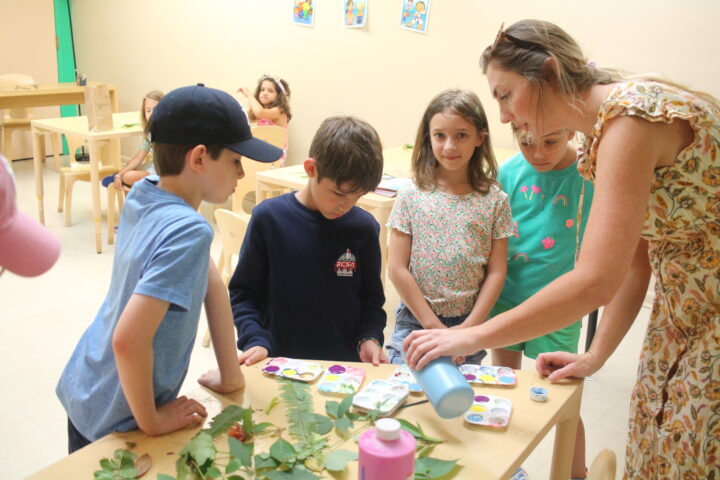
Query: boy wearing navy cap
point(129, 365)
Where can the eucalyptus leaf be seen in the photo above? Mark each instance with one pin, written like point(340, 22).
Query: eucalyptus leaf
point(241, 451)
point(338, 459)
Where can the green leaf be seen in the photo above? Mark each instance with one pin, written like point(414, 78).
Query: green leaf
point(104, 475)
point(247, 421)
point(243, 452)
point(201, 447)
point(338, 459)
point(265, 461)
point(261, 427)
point(294, 474)
point(417, 432)
point(271, 405)
point(162, 476)
point(345, 405)
point(105, 464)
point(232, 465)
point(129, 472)
point(222, 422)
point(331, 408)
point(429, 468)
point(343, 425)
point(214, 472)
point(320, 423)
point(282, 450)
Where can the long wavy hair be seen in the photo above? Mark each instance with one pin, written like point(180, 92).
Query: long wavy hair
point(482, 168)
point(282, 100)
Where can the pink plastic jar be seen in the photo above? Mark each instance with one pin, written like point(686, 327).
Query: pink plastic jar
point(387, 452)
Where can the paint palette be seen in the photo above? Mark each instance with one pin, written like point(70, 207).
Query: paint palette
point(341, 379)
point(489, 411)
point(294, 369)
point(487, 375)
point(382, 395)
point(404, 376)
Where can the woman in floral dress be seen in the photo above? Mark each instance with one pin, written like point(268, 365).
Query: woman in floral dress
point(652, 150)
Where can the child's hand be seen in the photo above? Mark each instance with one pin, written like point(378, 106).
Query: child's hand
point(253, 355)
point(559, 365)
point(371, 352)
point(178, 414)
point(215, 382)
point(245, 92)
point(117, 181)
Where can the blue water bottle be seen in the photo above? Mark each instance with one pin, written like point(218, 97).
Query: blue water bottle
point(447, 389)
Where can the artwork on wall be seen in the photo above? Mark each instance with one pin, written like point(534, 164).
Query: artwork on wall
point(415, 15)
point(354, 12)
point(303, 12)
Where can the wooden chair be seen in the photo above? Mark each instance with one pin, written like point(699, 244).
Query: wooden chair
point(603, 467)
point(76, 171)
point(231, 229)
point(271, 134)
point(115, 202)
point(18, 119)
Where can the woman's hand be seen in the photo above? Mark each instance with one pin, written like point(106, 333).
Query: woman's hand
point(422, 346)
point(559, 365)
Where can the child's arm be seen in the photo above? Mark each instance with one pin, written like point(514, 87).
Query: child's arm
point(274, 114)
point(228, 377)
point(372, 296)
point(133, 348)
point(247, 291)
point(405, 284)
point(133, 164)
point(492, 285)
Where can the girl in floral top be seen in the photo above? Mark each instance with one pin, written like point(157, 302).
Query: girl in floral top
point(652, 150)
point(448, 244)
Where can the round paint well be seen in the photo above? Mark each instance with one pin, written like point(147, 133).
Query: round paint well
point(478, 408)
point(336, 369)
point(469, 377)
point(332, 378)
point(271, 368)
point(497, 421)
point(506, 380)
point(289, 372)
point(501, 402)
point(481, 398)
point(500, 412)
point(474, 418)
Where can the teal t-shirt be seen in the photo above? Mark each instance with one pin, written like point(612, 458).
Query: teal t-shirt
point(544, 208)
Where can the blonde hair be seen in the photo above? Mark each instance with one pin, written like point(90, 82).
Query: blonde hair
point(282, 100)
point(482, 168)
point(156, 95)
point(525, 47)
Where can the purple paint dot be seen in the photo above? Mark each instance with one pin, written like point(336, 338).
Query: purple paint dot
point(481, 398)
point(469, 377)
point(336, 369)
point(271, 368)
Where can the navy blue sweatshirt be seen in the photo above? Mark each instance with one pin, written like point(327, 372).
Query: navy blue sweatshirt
point(305, 286)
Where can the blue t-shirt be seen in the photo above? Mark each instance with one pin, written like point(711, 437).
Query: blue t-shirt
point(163, 250)
point(544, 207)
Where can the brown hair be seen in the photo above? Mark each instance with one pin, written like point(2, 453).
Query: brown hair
point(156, 95)
point(525, 46)
point(482, 168)
point(169, 158)
point(348, 150)
point(282, 100)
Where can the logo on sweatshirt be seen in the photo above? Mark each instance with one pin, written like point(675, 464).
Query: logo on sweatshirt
point(346, 264)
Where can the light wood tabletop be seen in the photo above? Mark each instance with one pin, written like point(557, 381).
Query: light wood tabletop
point(482, 452)
point(51, 94)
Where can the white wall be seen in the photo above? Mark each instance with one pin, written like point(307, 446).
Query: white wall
point(382, 73)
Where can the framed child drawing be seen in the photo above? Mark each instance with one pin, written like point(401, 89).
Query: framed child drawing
point(303, 12)
point(354, 13)
point(414, 15)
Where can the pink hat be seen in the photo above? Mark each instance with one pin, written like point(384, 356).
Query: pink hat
point(26, 247)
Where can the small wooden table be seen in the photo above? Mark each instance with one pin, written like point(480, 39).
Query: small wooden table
point(484, 453)
point(78, 127)
point(397, 162)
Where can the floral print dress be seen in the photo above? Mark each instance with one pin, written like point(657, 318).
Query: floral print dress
point(675, 404)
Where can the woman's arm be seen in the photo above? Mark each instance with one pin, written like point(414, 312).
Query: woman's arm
point(405, 284)
point(630, 150)
point(617, 318)
point(228, 377)
point(492, 285)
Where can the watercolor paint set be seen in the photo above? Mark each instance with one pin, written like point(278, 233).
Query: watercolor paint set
point(404, 376)
point(489, 411)
point(382, 395)
point(487, 375)
point(293, 369)
point(341, 379)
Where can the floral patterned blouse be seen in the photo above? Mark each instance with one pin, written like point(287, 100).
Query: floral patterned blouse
point(451, 240)
point(675, 404)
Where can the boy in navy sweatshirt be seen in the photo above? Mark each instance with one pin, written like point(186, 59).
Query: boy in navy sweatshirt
point(307, 284)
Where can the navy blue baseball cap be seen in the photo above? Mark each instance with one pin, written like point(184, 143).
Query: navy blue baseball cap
point(206, 116)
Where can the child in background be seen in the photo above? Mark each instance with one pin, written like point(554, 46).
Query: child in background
point(448, 242)
point(141, 165)
point(129, 365)
point(307, 283)
point(270, 105)
point(545, 188)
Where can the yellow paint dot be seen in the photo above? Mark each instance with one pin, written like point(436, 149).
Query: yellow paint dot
point(332, 378)
point(488, 378)
point(478, 408)
point(289, 372)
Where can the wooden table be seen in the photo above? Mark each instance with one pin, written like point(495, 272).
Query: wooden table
point(482, 452)
point(50, 94)
point(397, 162)
point(78, 127)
